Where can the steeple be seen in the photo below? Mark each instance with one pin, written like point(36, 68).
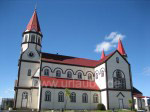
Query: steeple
point(32, 35)
point(103, 54)
point(33, 24)
point(121, 48)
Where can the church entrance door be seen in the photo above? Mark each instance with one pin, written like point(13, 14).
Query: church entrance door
point(24, 99)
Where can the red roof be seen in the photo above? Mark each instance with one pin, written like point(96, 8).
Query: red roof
point(33, 24)
point(103, 54)
point(121, 48)
point(55, 58)
point(47, 81)
point(140, 96)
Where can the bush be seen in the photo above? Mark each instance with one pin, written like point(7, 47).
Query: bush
point(101, 106)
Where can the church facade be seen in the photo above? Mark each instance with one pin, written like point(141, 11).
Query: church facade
point(44, 77)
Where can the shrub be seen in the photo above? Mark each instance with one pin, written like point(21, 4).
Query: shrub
point(101, 106)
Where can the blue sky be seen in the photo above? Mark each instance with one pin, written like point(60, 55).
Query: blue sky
point(75, 28)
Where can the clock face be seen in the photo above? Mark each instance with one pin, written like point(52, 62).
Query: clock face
point(31, 54)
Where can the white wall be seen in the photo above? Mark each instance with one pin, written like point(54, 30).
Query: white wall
point(54, 104)
point(24, 79)
point(114, 98)
point(101, 81)
point(112, 65)
point(66, 68)
point(104, 98)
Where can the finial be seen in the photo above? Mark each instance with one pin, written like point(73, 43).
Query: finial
point(35, 6)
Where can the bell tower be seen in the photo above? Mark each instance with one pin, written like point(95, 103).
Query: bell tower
point(27, 86)
point(32, 37)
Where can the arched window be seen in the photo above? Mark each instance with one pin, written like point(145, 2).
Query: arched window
point(102, 73)
point(89, 76)
point(69, 74)
point(26, 38)
point(61, 97)
point(46, 72)
point(73, 97)
point(119, 79)
point(47, 96)
point(96, 75)
point(32, 38)
point(58, 73)
point(29, 72)
point(84, 98)
point(24, 95)
point(117, 59)
point(95, 98)
point(79, 75)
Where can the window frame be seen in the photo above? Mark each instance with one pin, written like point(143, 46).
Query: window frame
point(90, 77)
point(95, 98)
point(58, 71)
point(73, 97)
point(60, 96)
point(46, 72)
point(47, 96)
point(84, 98)
point(69, 74)
point(117, 60)
point(29, 72)
point(79, 75)
point(119, 81)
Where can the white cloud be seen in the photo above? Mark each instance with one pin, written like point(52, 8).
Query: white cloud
point(104, 45)
point(109, 42)
point(114, 37)
point(146, 71)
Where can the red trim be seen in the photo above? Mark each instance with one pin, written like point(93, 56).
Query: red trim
point(140, 96)
point(66, 83)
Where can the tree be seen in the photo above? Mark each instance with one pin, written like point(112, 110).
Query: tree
point(130, 104)
point(67, 96)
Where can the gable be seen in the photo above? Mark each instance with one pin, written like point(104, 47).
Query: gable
point(121, 58)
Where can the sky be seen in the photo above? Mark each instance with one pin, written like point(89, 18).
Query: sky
point(80, 28)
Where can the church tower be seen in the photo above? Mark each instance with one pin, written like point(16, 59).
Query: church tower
point(27, 85)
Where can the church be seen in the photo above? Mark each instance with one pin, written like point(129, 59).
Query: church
point(44, 77)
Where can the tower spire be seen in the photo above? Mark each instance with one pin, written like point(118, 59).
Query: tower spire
point(33, 24)
point(121, 48)
point(103, 54)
